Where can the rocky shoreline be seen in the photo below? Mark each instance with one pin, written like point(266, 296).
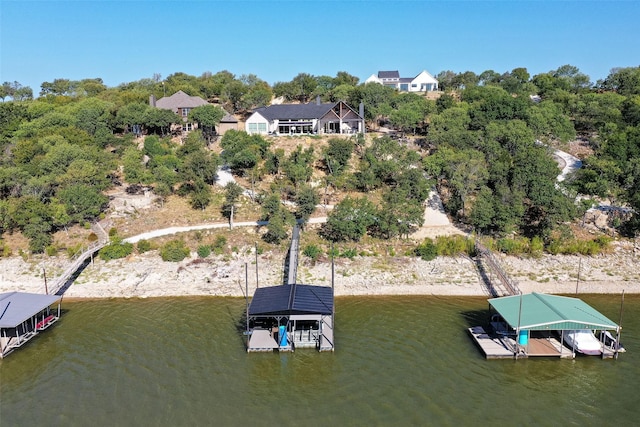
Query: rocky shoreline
point(146, 275)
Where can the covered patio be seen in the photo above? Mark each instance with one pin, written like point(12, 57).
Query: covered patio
point(23, 316)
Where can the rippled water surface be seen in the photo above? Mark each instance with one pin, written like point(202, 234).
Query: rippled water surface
point(398, 361)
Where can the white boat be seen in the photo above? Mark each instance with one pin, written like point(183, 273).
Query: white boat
point(610, 342)
point(583, 341)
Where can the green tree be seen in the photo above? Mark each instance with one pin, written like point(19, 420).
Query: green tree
point(200, 195)
point(82, 202)
point(243, 151)
point(350, 219)
point(306, 199)
point(231, 194)
point(208, 117)
point(337, 155)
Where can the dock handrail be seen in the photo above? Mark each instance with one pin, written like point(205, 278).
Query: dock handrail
point(80, 258)
point(509, 284)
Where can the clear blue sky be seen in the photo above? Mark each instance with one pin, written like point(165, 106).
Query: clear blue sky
point(125, 41)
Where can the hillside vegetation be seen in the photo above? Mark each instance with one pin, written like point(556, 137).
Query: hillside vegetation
point(484, 143)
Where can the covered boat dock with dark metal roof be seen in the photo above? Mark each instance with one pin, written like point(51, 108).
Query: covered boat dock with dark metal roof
point(23, 316)
point(291, 316)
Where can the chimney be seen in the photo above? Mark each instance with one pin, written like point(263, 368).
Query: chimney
point(152, 100)
point(361, 110)
point(318, 100)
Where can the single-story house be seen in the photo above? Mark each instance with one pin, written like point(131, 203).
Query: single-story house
point(311, 118)
point(423, 82)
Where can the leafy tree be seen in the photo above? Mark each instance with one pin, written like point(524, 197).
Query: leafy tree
point(243, 151)
point(207, 116)
point(406, 118)
point(134, 169)
point(399, 215)
point(159, 120)
point(298, 166)
point(377, 99)
point(276, 231)
point(82, 202)
point(337, 155)
point(197, 162)
point(482, 212)
point(625, 81)
point(304, 85)
point(231, 194)
point(132, 116)
point(92, 114)
point(306, 200)
point(200, 196)
point(350, 220)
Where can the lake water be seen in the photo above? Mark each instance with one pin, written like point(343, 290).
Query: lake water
point(398, 361)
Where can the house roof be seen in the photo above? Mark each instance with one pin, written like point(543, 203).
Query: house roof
point(291, 299)
point(16, 307)
point(388, 74)
point(180, 100)
point(538, 312)
point(295, 111)
point(228, 118)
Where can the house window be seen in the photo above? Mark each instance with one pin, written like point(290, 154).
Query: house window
point(187, 127)
point(253, 127)
point(262, 127)
point(414, 84)
point(185, 112)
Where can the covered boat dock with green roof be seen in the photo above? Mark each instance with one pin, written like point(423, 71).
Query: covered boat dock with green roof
point(532, 324)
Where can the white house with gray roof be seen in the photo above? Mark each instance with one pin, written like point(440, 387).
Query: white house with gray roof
point(312, 118)
point(423, 82)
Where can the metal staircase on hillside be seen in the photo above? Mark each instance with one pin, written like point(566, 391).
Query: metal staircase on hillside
point(496, 279)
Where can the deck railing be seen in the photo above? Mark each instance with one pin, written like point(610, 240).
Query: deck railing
point(80, 258)
point(510, 286)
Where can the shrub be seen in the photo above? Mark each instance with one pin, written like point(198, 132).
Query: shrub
point(427, 250)
point(513, 246)
point(204, 251)
point(115, 250)
point(144, 246)
point(51, 250)
point(536, 247)
point(113, 232)
point(455, 245)
point(5, 250)
point(218, 245)
point(74, 250)
point(349, 253)
point(92, 238)
point(312, 251)
point(174, 251)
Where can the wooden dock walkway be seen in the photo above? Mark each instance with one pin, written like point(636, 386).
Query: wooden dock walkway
point(496, 279)
point(61, 283)
point(499, 346)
